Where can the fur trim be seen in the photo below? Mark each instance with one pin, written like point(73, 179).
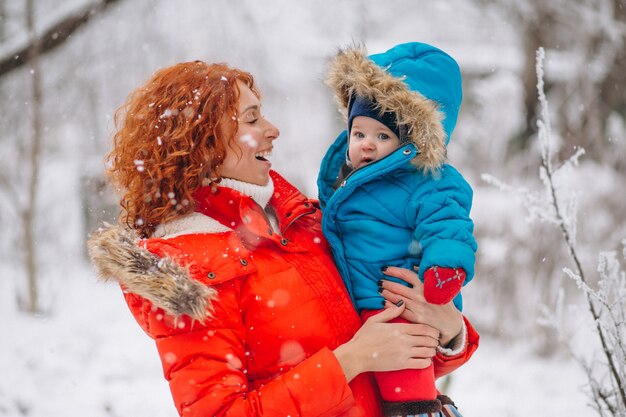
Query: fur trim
point(352, 72)
point(116, 255)
point(445, 400)
point(410, 408)
point(458, 344)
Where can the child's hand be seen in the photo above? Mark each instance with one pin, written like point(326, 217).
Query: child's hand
point(441, 285)
point(445, 318)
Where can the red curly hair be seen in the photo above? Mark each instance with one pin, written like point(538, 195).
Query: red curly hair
point(170, 136)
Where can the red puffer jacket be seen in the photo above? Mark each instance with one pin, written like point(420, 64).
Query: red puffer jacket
point(245, 319)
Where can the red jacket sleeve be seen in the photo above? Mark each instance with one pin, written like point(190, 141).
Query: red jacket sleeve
point(205, 365)
point(446, 364)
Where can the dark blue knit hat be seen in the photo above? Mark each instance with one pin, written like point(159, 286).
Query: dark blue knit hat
point(361, 106)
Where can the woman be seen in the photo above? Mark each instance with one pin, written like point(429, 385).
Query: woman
point(232, 277)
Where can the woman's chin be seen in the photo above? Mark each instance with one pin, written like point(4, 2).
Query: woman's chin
point(262, 179)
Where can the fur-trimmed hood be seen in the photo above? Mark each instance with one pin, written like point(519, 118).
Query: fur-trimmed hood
point(418, 82)
point(117, 255)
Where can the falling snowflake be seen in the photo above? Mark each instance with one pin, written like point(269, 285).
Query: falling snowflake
point(249, 140)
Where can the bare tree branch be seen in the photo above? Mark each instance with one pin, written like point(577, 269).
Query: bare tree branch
point(544, 133)
point(54, 36)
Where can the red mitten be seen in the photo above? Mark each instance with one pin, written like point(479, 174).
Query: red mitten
point(441, 285)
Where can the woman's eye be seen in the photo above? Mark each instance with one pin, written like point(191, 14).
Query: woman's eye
point(251, 118)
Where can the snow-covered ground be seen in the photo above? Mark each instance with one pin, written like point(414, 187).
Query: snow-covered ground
point(89, 358)
point(508, 381)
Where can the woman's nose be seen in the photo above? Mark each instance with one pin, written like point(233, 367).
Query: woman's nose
point(271, 131)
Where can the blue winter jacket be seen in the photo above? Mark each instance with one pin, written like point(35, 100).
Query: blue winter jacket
point(409, 208)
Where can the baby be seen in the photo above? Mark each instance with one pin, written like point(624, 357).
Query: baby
point(388, 196)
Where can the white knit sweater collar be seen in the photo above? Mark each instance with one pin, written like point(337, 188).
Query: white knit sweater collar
point(259, 193)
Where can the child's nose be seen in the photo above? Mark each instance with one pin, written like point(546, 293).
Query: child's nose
point(367, 144)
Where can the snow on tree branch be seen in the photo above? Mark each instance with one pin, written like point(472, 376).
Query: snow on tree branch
point(52, 37)
point(606, 374)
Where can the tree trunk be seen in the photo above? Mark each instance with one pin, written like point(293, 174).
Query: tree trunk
point(30, 210)
point(613, 87)
point(3, 19)
point(533, 39)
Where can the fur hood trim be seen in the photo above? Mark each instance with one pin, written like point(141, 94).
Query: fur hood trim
point(117, 255)
point(352, 73)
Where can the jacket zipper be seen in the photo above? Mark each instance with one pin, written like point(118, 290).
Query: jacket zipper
point(296, 218)
point(343, 183)
point(282, 232)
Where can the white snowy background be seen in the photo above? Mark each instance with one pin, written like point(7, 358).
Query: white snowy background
point(83, 355)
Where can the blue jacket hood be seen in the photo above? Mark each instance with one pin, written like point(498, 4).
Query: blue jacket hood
point(421, 84)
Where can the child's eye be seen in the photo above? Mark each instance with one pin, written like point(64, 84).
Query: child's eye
point(358, 135)
point(383, 136)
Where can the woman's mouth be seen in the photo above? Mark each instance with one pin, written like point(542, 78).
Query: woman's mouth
point(263, 155)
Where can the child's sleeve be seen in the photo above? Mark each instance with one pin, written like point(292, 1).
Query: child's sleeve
point(443, 229)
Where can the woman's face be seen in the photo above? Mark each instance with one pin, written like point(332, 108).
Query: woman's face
point(247, 157)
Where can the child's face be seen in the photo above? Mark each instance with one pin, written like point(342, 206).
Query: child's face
point(370, 140)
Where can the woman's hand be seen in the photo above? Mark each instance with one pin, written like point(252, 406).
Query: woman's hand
point(382, 346)
point(446, 318)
